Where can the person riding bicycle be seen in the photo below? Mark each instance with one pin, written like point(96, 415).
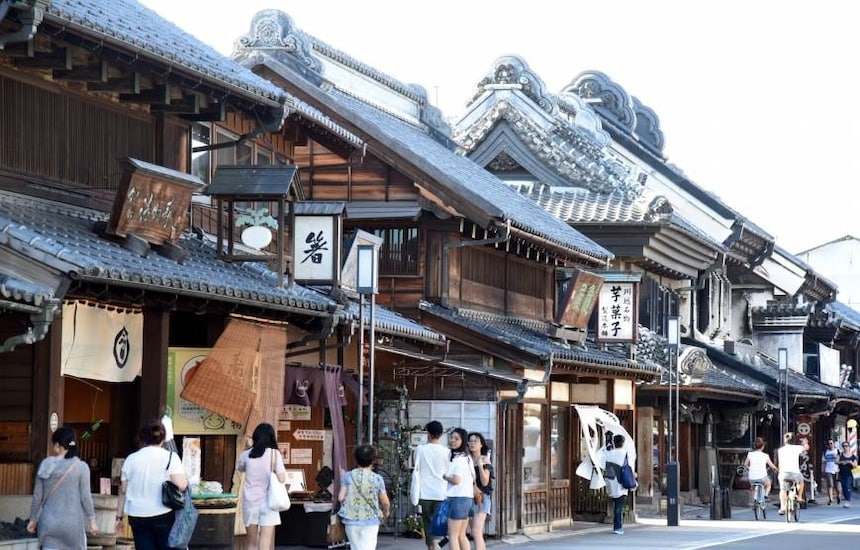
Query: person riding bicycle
point(757, 463)
point(788, 457)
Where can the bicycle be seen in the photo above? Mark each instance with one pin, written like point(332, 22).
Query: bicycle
point(759, 503)
point(792, 504)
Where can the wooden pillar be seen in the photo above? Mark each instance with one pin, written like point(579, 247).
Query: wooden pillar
point(48, 390)
point(153, 380)
point(644, 451)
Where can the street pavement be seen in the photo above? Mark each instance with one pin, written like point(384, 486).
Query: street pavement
point(819, 527)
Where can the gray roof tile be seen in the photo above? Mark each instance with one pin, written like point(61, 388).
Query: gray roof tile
point(140, 29)
point(530, 335)
point(464, 178)
point(393, 323)
point(62, 236)
point(19, 290)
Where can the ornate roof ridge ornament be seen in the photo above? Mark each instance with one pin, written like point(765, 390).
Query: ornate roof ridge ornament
point(513, 72)
point(569, 151)
point(274, 30)
point(626, 112)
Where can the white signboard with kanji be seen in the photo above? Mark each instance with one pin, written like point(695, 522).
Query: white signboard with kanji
point(616, 313)
point(314, 248)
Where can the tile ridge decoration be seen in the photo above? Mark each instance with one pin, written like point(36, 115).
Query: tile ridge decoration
point(346, 93)
point(567, 151)
point(609, 98)
point(513, 72)
point(274, 30)
point(648, 126)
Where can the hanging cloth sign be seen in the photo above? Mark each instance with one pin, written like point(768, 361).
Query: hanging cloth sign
point(99, 344)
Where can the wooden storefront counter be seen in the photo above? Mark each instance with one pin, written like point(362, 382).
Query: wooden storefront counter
point(304, 526)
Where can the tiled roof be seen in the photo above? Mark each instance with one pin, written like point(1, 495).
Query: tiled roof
point(767, 372)
point(581, 205)
point(464, 178)
point(19, 290)
point(391, 322)
point(141, 30)
point(698, 370)
point(423, 143)
point(530, 336)
point(845, 313)
point(62, 236)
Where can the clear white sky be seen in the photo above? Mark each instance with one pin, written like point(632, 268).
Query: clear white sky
point(757, 99)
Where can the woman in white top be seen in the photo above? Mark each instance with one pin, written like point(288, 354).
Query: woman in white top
point(757, 463)
point(431, 463)
point(257, 462)
point(461, 481)
point(615, 458)
point(143, 472)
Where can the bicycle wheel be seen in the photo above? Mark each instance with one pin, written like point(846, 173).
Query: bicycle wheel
point(757, 509)
point(757, 501)
point(789, 507)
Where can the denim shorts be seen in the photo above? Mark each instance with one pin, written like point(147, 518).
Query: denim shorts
point(458, 507)
point(485, 507)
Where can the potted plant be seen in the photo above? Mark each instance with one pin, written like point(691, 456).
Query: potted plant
point(414, 527)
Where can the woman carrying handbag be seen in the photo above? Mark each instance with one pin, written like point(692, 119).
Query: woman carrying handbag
point(141, 492)
point(62, 502)
point(257, 463)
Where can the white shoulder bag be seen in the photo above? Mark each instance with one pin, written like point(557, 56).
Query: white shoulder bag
point(278, 497)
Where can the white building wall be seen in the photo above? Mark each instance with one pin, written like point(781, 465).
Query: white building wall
point(839, 261)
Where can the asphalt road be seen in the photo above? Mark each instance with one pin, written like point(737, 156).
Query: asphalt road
point(819, 528)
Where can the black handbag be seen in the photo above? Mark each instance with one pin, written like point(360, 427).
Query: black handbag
point(171, 495)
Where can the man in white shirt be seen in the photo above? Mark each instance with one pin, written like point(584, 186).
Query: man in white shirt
point(431, 462)
point(788, 459)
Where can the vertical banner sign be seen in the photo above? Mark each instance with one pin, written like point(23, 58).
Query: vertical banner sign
point(314, 247)
point(616, 313)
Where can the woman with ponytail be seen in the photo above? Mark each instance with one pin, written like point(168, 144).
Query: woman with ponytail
point(143, 472)
point(62, 508)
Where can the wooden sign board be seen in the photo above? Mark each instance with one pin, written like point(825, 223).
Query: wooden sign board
point(152, 202)
point(578, 300)
point(618, 312)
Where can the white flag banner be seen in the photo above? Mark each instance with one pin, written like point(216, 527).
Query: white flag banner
point(595, 423)
point(101, 345)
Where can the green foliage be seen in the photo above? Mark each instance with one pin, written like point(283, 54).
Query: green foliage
point(260, 216)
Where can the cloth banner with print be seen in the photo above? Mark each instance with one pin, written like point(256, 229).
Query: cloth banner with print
point(596, 425)
point(101, 344)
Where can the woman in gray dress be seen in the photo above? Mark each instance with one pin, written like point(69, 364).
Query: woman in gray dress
point(62, 508)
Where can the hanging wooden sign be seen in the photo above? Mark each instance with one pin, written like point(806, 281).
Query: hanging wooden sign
point(152, 202)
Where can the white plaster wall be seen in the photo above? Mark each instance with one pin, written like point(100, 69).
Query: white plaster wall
point(839, 261)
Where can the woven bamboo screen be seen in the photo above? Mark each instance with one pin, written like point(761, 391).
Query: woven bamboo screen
point(223, 382)
point(269, 383)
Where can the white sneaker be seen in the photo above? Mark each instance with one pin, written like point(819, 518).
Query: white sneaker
point(618, 531)
point(847, 504)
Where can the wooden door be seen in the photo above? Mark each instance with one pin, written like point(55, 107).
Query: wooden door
point(510, 479)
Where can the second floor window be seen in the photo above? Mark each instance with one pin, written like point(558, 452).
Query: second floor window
point(398, 254)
